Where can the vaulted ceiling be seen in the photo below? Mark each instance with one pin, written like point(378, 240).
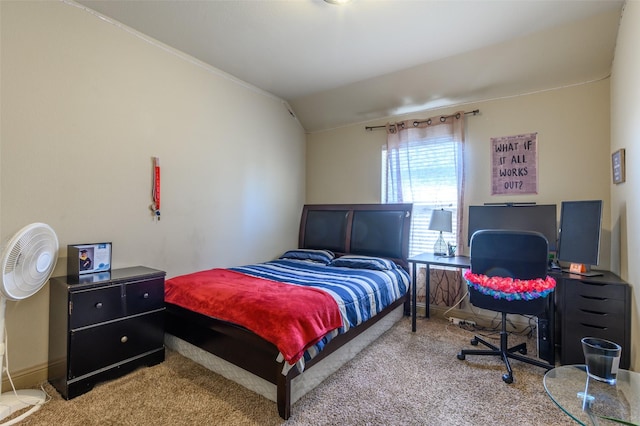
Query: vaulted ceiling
point(367, 60)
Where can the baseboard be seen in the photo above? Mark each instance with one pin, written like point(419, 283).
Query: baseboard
point(26, 379)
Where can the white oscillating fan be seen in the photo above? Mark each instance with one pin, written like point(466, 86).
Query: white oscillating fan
point(27, 260)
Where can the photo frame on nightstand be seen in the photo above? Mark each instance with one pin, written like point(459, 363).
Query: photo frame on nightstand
point(88, 258)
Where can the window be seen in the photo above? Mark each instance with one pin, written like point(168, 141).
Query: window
point(424, 167)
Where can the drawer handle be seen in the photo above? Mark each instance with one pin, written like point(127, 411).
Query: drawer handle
point(593, 312)
point(593, 284)
point(145, 296)
point(593, 326)
point(593, 297)
point(99, 305)
point(124, 339)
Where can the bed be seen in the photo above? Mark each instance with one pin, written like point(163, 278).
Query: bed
point(350, 233)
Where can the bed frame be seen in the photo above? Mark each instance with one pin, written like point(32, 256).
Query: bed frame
point(367, 229)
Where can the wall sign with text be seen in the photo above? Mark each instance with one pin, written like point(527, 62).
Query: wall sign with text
point(514, 161)
point(617, 166)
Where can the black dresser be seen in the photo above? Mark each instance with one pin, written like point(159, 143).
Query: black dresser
point(598, 306)
point(104, 325)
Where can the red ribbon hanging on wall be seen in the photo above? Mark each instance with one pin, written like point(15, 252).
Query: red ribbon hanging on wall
point(156, 187)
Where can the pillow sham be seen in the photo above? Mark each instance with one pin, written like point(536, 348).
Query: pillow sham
point(314, 255)
point(363, 262)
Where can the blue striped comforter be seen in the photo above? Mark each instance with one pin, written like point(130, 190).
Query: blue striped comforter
point(359, 293)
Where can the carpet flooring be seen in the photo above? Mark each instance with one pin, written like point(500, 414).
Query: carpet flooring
point(403, 378)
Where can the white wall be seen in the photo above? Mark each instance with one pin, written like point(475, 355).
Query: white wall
point(85, 105)
point(625, 133)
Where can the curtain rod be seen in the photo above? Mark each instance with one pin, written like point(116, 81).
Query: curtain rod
point(416, 122)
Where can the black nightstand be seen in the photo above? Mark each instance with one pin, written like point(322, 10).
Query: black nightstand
point(104, 325)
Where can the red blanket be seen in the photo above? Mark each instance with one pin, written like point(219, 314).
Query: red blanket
point(291, 317)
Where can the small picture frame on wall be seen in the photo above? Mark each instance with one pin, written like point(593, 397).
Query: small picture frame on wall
point(88, 258)
point(617, 166)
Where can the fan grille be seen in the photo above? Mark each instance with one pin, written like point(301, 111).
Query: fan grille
point(28, 261)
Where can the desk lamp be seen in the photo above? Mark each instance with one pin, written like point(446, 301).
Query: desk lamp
point(440, 221)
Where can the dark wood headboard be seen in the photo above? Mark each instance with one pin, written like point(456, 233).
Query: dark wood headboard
point(367, 229)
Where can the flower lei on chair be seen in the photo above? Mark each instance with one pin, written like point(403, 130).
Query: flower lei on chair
point(509, 288)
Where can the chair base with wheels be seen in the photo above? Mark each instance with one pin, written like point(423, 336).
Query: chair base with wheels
point(504, 351)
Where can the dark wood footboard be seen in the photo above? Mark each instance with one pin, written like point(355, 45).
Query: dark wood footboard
point(250, 352)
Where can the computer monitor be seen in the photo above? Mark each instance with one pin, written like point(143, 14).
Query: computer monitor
point(579, 236)
point(522, 217)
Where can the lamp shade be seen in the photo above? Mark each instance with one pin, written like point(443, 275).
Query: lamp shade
point(440, 221)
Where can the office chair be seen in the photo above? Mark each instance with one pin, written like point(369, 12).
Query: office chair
point(508, 253)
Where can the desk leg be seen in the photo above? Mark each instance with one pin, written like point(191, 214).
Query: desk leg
point(414, 298)
point(427, 289)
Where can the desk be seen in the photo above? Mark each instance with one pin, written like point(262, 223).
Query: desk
point(598, 306)
point(429, 259)
point(568, 385)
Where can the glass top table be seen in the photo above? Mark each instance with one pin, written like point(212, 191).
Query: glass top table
point(591, 402)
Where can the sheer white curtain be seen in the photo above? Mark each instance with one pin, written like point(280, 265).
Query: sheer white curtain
point(424, 166)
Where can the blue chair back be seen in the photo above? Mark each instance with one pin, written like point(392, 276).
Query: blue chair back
point(509, 253)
